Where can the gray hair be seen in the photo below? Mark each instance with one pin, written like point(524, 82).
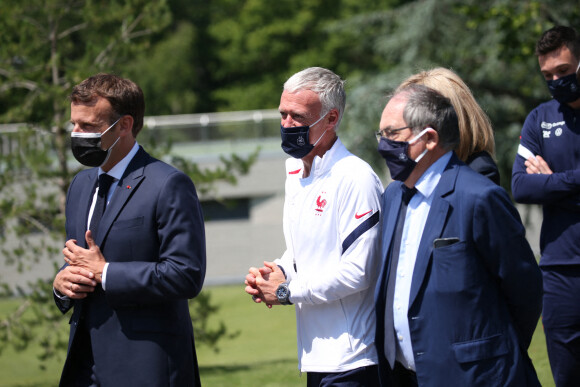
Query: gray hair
point(325, 83)
point(427, 107)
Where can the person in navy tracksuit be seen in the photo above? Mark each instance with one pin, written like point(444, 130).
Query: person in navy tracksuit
point(546, 171)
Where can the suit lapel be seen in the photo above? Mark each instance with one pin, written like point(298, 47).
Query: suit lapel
point(126, 188)
point(434, 226)
point(391, 205)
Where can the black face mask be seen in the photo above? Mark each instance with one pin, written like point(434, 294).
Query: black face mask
point(86, 147)
point(295, 140)
point(566, 88)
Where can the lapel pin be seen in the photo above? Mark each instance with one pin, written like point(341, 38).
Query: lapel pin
point(128, 187)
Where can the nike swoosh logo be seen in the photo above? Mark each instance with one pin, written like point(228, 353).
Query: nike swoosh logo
point(294, 172)
point(357, 216)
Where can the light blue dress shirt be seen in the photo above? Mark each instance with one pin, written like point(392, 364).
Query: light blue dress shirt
point(417, 212)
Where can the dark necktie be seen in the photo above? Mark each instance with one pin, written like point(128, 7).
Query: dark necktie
point(105, 182)
point(390, 339)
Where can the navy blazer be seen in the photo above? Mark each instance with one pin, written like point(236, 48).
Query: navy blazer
point(482, 162)
point(152, 235)
point(474, 304)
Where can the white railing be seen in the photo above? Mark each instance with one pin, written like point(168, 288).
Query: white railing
point(196, 128)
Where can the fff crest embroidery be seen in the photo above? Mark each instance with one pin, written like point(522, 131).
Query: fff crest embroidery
point(300, 141)
point(320, 204)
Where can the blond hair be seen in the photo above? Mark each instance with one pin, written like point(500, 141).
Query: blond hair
point(475, 131)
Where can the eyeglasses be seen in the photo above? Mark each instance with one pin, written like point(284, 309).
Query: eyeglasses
point(389, 133)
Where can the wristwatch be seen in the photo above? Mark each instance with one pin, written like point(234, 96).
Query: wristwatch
point(283, 294)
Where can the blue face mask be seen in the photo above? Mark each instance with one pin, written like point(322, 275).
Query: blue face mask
point(565, 89)
point(295, 140)
point(395, 155)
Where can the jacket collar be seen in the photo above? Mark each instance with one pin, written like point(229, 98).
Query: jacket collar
point(321, 165)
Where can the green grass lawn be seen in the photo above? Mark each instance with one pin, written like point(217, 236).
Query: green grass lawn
point(263, 354)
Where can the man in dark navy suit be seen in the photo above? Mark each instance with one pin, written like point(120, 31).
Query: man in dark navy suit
point(135, 250)
point(459, 293)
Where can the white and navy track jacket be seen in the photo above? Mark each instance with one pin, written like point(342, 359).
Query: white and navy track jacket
point(332, 238)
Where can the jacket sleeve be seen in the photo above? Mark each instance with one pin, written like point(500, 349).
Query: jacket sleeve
point(500, 238)
point(179, 271)
point(483, 163)
point(65, 304)
point(358, 265)
point(561, 188)
point(287, 264)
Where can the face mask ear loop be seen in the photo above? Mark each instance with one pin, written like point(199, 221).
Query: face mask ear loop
point(322, 135)
point(109, 151)
point(320, 138)
point(115, 143)
point(317, 121)
point(118, 138)
point(113, 124)
point(421, 155)
point(417, 138)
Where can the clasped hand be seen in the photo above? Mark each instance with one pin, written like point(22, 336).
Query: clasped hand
point(262, 283)
point(84, 269)
point(537, 165)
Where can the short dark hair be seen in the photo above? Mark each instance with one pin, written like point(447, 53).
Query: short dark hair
point(124, 95)
point(427, 107)
point(556, 37)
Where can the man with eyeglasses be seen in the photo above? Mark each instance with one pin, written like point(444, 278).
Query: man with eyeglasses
point(135, 249)
point(389, 133)
point(459, 292)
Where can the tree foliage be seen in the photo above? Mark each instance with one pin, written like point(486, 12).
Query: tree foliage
point(236, 54)
point(240, 52)
point(45, 49)
point(489, 44)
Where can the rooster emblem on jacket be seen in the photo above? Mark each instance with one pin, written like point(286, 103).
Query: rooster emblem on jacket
point(320, 203)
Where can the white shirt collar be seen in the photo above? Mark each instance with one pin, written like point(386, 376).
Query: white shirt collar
point(428, 181)
point(322, 164)
point(119, 169)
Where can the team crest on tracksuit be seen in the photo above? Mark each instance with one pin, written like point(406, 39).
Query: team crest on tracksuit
point(320, 203)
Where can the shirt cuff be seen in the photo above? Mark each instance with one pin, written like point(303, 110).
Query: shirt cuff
point(60, 295)
point(283, 271)
point(104, 279)
point(65, 301)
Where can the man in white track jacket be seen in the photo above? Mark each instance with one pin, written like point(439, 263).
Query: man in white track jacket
point(331, 215)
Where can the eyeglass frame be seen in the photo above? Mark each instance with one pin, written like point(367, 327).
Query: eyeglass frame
point(390, 132)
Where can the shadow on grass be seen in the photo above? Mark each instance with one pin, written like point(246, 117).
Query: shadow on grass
point(220, 369)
